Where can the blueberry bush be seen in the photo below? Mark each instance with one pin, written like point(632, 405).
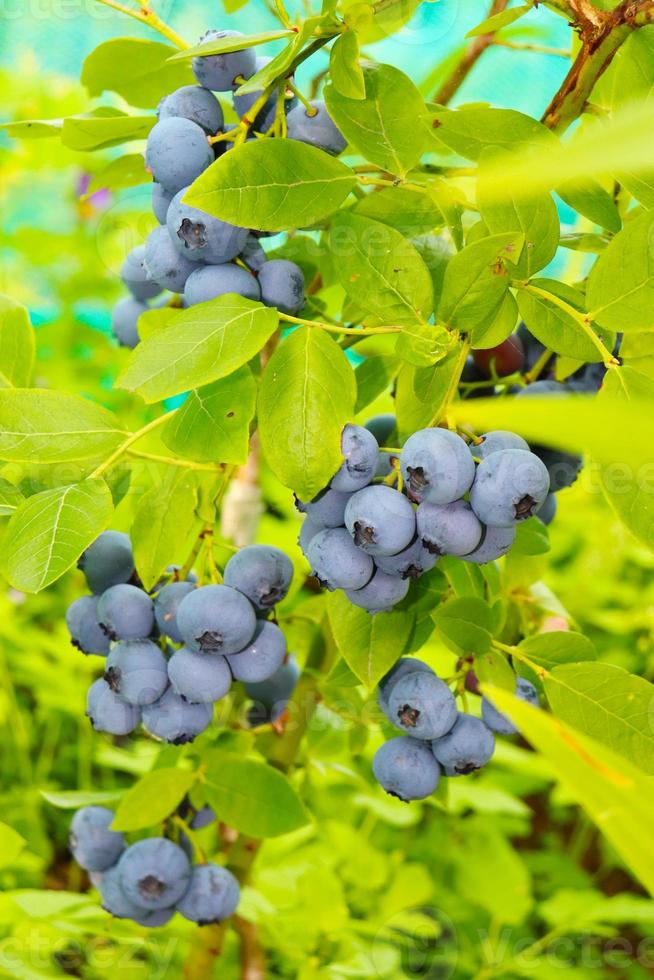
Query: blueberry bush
point(352, 500)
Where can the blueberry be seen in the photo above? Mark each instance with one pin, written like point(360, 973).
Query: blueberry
point(437, 466)
point(495, 542)
point(540, 389)
point(216, 619)
point(380, 520)
point(532, 347)
point(448, 529)
point(336, 561)
point(126, 612)
point(108, 561)
point(113, 898)
point(406, 768)
point(93, 845)
point(318, 129)
point(199, 236)
point(510, 485)
point(108, 712)
point(563, 468)
point(271, 696)
point(467, 747)
point(252, 253)
point(308, 531)
point(213, 895)
point(84, 628)
point(154, 873)
point(137, 671)
point(411, 563)
point(164, 263)
point(166, 605)
point(198, 678)
point(262, 657)
point(382, 428)
point(219, 71)
point(472, 375)
point(504, 359)
point(124, 321)
point(175, 720)
point(260, 572)
point(405, 665)
point(195, 103)
point(547, 510)
point(327, 509)
point(243, 103)
point(211, 281)
point(177, 152)
point(380, 594)
point(422, 705)
point(496, 721)
point(493, 442)
point(135, 275)
point(161, 199)
point(282, 285)
point(202, 818)
point(360, 457)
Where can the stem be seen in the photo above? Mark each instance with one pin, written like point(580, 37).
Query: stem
point(122, 449)
point(454, 382)
point(539, 366)
point(253, 961)
point(311, 110)
point(468, 59)
point(172, 461)
point(537, 48)
point(147, 16)
point(584, 320)
point(516, 654)
point(186, 829)
point(351, 331)
point(283, 14)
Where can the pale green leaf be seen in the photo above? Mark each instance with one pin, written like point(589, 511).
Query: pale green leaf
point(252, 797)
point(370, 645)
point(503, 19)
point(558, 647)
point(152, 799)
point(620, 293)
point(222, 45)
point(16, 344)
point(164, 525)
point(135, 68)
point(344, 69)
point(476, 281)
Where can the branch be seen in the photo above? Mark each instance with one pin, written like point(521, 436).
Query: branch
point(469, 58)
point(253, 963)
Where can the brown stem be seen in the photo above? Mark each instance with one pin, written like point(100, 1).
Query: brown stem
point(468, 59)
point(253, 963)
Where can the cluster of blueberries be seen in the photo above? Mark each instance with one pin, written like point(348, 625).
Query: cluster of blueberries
point(364, 535)
point(439, 739)
point(171, 655)
point(191, 252)
point(150, 880)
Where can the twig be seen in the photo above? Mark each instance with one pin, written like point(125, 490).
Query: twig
point(468, 59)
point(147, 16)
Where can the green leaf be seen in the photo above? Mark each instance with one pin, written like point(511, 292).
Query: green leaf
point(373, 376)
point(52, 427)
point(281, 66)
point(74, 799)
point(127, 170)
point(10, 498)
point(423, 394)
point(104, 127)
point(164, 525)
point(370, 645)
point(590, 199)
point(272, 185)
point(497, 21)
point(213, 424)
point(252, 797)
point(202, 344)
point(470, 131)
point(152, 799)
point(380, 270)
point(33, 129)
point(16, 344)
point(492, 667)
point(409, 212)
point(11, 845)
point(492, 332)
point(389, 127)
point(532, 538)
point(465, 624)
point(136, 69)
point(230, 43)
point(553, 326)
point(608, 703)
point(49, 531)
point(558, 647)
point(307, 395)
point(476, 281)
point(617, 795)
point(344, 69)
point(491, 873)
point(620, 293)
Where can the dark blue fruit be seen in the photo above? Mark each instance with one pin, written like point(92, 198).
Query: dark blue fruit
point(108, 712)
point(271, 696)
point(360, 458)
point(448, 529)
point(212, 895)
point(410, 563)
point(84, 628)
point(336, 561)
point(495, 542)
point(437, 466)
point(165, 264)
point(195, 103)
point(496, 721)
point(93, 845)
point(198, 678)
point(137, 671)
point(124, 320)
point(216, 619)
point(177, 151)
point(405, 665)
point(154, 873)
point(282, 285)
point(166, 605)
point(493, 442)
point(262, 657)
point(260, 572)
point(422, 705)
point(212, 281)
point(199, 236)
point(135, 275)
point(219, 72)
point(126, 612)
point(175, 720)
point(380, 594)
point(406, 768)
point(381, 520)
point(510, 486)
point(327, 509)
point(108, 561)
point(317, 129)
point(467, 747)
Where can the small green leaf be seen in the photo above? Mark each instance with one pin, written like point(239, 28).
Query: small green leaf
point(409, 212)
point(213, 424)
point(344, 68)
point(373, 376)
point(164, 525)
point(465, 624)
point(272, 185)
point(74, 799)
point(558, 647)
point(476, 281)
point(470, 131)
point(389, 127)
point(307, 395)
point(370, 645)
point(16, 344)
point(202, 344)
point(222, 45)
point(127, 170)
point(135, 68)
point(11, 845)
point(10, 498)
point(589, 198)
point(49, 531)
point(553, 326)
point(104, 127)
point(252, 797)
point(492, 667)
point(423, 393)
point(152, 799)
point(620, 292)
point(531, 538)
point(497, 21)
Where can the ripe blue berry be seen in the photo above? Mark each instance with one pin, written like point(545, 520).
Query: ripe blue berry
point(219, 71)
point(496, 721)
point(380, 594)
point(85, 631)
point(202, 818)
point(467, 747)
point(547, 510)
point(381, 520)
point(154, 873)
point(198, 678)
point(177, 151)
point(200, 237)
point(271, 696)
point(282, 285)
point(93, 845)
point(137, 671)
point(448, 529)
point(164, 263)
point(406, 768)
point(108, 712)
point(212, 896)
point(166, 605)
point(195, 103)
point(161, 199)
point(135, 275)
point(493, 442)
point(175, 720)
point(422, 705)
point(510, 485)
point(308, 531)
point(108, 561)
point(210, 281)
point(327, 509)
point(262, 657)
point(260, 572)
point(337, 562)
point(126, 612)
point(318, 129)
point(437, 466)
point(113, 898)
point(405, 665)
point(360, 458)
point(495, 542)
point(410, 563)
point(124, 320)
point(216, 619)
